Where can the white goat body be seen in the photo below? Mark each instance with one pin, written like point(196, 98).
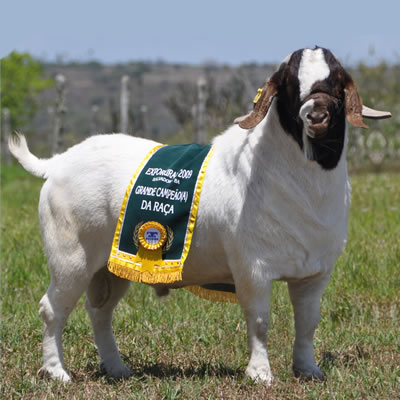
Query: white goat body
point(266, 213)
point(262, 216)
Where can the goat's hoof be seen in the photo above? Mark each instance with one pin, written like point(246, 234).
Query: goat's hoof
point(308, 374)
point(58, 374)
point(118, 372)
point(260, 374)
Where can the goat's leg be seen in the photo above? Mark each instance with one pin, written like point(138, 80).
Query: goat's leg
point(104, 292)
point(306, 298)
point(255, 301)
point(55, 307)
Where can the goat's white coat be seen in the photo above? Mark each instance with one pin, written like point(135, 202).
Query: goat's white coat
point(265, 213)
point(313, 68)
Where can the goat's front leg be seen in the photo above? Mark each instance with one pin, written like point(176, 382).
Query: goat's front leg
point(255, 301)
point(306, 297)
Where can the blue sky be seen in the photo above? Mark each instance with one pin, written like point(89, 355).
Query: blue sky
point(222, 31)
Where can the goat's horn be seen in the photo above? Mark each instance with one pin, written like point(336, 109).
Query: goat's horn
point(375, 114)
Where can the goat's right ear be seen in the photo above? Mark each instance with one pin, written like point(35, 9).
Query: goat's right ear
point(356, 111)
point(262, 102)
point(353, 105)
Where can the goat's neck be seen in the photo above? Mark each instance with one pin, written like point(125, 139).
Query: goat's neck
point(275, 155)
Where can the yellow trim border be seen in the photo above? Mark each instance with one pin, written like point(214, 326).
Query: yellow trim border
point(195, 206)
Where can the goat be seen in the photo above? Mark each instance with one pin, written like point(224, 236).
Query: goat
point(274, 206)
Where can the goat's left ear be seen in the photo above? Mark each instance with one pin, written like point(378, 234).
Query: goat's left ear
point(262, 103)
point(355, 110)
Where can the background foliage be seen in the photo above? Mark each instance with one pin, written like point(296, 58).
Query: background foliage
point(21, 82)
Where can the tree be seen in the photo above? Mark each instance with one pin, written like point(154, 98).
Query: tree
point(21, 81)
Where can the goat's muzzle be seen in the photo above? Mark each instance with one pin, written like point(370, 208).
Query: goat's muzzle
point(315, 114)
point(318, 122)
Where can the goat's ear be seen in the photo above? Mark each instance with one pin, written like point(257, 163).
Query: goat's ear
point(355, 110)
point(261, 107)
point(353, 105)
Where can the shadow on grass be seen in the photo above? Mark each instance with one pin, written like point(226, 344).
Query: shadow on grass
point(349, 358)
point(163, 370)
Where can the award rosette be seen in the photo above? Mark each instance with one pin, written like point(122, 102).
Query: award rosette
point(158, 214)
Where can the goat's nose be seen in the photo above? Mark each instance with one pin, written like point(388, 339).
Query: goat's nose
point(317, 117)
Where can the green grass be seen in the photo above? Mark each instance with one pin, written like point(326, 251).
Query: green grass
point(187, 348)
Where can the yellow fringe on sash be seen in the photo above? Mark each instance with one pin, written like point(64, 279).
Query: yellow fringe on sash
point(213, 295)
point(145, 277)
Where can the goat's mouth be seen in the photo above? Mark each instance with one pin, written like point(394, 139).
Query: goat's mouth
point(318, 130)
point(315, 118)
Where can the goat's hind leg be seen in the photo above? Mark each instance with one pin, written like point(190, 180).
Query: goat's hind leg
point(55, 307)
point(104, 292)
point(67, 261)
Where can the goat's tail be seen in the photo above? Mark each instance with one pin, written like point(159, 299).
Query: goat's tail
point(19, 149)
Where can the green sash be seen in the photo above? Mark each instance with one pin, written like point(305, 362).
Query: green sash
point(158, 214)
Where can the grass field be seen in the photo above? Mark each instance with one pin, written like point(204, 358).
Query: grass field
point(187, 348)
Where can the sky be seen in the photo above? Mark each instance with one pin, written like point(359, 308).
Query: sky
point(203, 31)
